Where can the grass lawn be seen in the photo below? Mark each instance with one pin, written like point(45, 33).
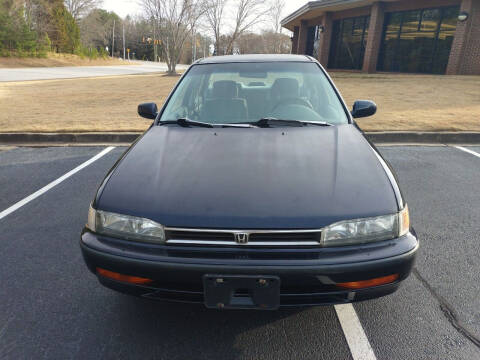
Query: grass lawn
point(415, 102)
point(405, 102)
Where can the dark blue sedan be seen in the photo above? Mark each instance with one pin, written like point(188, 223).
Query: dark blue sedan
point(253, 188)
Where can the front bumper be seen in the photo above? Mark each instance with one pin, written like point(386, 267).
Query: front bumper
point(308, 276)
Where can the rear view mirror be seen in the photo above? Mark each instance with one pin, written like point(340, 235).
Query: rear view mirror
point(148, 110)
point(363, 108)
point(253, 75)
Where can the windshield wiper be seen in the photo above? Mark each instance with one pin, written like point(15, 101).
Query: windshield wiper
point(235, 125)
point(268, 121)
point(185, 122)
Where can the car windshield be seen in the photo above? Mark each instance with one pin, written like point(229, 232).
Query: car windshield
point(246, 92)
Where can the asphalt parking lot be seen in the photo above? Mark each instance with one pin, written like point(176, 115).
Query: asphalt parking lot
point(53, 308)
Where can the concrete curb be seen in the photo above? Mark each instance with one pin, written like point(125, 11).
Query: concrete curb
point(67, 138)
point(396, 137)
point(407, 137)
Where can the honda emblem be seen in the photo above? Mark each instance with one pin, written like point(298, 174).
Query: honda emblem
point(241, 238)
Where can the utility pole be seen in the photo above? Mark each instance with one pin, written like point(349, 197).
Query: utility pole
point(194, 46)
point(113, 36)
point(154, 42)
point(123, 41)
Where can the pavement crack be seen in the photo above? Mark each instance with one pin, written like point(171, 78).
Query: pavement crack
point(448, 311)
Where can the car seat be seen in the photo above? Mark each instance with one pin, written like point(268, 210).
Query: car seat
point(284, 89)
point(225, 106)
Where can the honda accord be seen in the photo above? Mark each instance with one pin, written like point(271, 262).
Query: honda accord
point(253, 188)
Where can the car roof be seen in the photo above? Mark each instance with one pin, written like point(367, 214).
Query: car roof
point(255, 58)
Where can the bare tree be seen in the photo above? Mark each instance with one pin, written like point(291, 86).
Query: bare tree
point(214, 15)
point(78, 8)
point(174, 21)
point(248, 14)
point(275, 13)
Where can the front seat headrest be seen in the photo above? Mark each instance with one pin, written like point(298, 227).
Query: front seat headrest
point(226, 89)
point(285, 87)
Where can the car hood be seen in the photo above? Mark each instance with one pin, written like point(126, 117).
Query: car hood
point(249, 178)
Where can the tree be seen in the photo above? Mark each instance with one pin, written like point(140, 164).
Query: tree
point(79, 8)
point(31, 27)
point(276, 43)
point(214, 15)
point(275, 14)
point(50, 17)
point(16, 35)
point(267, 42)
point(173, 21)
point(248, 14)
point(96, 29)
point(66, 35)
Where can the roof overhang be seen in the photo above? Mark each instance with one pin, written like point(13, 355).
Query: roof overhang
point(314, 9)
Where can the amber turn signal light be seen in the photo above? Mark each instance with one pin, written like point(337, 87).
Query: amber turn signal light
point(369, 283)
point(124, 278)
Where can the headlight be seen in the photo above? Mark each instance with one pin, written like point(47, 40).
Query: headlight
point(366, 230)
point(125, 226)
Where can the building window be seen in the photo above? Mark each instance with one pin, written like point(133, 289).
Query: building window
point(418, 41)
point(349, 39)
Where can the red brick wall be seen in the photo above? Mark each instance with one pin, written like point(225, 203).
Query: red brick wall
point(296, 30)
point(374, 40)
point(470, 64)
point(325, 39)
point(362, 11)
point(302, 37)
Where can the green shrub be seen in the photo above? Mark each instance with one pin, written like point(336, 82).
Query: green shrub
point(43, 47)
point(90, 52)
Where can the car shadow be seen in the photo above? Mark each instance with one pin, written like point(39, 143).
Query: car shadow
point(191, 331)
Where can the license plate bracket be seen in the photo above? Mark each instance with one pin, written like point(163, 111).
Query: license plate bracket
point(241, 291)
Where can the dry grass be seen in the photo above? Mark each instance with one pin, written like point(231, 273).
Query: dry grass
point(406, 102)
point(54, 60)
point(80, 105)
point(415, 102)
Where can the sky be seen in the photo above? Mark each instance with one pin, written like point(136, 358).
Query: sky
point(131, 7)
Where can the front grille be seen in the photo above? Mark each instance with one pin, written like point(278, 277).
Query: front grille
point(177, 236)
point(198, 235)
point(293, 236)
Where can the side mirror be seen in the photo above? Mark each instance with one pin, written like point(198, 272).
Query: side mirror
point(363, 108)
point(148, 110)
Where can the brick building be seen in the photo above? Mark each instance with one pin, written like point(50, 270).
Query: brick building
point(415, 36)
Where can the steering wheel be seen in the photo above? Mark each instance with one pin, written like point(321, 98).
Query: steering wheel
point(292, 101)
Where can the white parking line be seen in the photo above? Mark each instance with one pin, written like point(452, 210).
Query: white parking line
point(357, 341)
point(468, 151)
point(54, 183)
